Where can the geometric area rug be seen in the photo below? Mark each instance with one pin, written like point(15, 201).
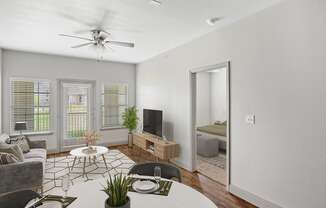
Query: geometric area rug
point(219, 160)
point(57, 167)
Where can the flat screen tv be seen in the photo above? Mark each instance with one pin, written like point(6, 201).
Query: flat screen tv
point(152, 122)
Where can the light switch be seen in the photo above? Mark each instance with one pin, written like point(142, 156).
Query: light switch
point(250, 119)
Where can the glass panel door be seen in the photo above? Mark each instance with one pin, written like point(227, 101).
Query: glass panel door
point(76, 113)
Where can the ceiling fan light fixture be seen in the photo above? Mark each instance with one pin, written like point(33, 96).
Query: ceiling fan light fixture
point(156, 3)
point(100, 42)
point(212, 21)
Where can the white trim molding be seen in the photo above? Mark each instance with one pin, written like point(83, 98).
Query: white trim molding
point(253, 199)
point(193, 77)
point(49, 131)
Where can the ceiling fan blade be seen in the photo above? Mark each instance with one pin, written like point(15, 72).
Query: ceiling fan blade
point(82, 45)
point(83, 31)
point(106, 32)
point(121, 29)
point(108, 18)
point(123, 44)
point(90, 31)
point(77, 20)
point(72, 36)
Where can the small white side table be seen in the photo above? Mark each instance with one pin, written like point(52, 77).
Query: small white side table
point(79, 153)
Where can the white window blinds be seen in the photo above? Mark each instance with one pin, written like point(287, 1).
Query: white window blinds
point(30, 103)
point(114, 103)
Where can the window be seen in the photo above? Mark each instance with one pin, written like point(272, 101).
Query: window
point(114, 103)
point(30, 103)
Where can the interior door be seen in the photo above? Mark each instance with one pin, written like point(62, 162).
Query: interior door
point(76, 113)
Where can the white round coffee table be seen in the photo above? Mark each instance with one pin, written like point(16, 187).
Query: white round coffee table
point(82, 152)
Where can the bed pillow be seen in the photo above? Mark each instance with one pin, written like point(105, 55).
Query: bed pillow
point(22, 142)
point(217, 123)
point(7, 158)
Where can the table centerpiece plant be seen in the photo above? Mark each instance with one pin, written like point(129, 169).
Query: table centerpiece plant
point(117, 188)
point(130, 121)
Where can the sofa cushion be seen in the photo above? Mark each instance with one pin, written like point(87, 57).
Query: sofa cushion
point(36, 153)
point(12, 149)
point(7, 158)
point(22, 142)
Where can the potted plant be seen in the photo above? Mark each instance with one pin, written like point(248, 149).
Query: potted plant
point(90, 138)
point(130, 121)
point(117, 189)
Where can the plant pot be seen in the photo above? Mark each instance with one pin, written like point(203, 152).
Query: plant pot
point(130, 140)
point(127, 205)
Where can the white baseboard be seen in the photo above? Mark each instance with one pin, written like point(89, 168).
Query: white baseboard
point(253, 199)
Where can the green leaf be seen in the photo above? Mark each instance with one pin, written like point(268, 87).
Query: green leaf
point(117, 189)
point(130, 118)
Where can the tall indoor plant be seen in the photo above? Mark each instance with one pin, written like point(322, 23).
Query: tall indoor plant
point(130, 121)
point(117, 188)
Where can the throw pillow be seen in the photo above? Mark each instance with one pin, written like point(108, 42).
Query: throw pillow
point(12, 149)
point(7, 158)
point(4, 138)
point(22, 142)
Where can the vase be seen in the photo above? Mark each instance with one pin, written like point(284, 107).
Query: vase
point(130, 140)
point(126, 205)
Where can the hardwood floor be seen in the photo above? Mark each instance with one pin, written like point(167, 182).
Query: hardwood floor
point(213, 190)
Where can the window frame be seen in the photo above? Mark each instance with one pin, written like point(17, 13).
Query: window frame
point(11, 127)
point(102, 127)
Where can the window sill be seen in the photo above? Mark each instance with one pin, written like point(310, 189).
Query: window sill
point(33, 133)
point(112, 128)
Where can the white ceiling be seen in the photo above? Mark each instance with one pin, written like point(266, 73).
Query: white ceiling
point(34, 25)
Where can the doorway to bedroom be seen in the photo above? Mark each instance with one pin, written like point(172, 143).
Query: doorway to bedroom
point(210, 104)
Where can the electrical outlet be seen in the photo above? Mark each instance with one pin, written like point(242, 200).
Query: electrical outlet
point(250, 119)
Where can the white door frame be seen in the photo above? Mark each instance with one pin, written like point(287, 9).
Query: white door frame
point(193, 74)
point(60, 122)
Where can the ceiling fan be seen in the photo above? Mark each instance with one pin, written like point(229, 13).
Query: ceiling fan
point(99, 38)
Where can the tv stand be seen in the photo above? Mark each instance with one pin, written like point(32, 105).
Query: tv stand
point(155, 145)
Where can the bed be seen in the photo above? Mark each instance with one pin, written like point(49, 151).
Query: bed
point(213, 132)
point(216, 129)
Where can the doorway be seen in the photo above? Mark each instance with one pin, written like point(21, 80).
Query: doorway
point(210, 121)
point(76, 112)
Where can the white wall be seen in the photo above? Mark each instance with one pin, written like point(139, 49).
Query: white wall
point(32, 65)
point(210, 97)
point(203, 99)
point(278, 73)
point(218, 96)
